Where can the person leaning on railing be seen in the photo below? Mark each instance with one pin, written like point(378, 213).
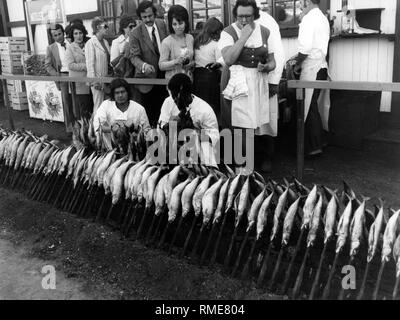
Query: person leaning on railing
point(244, 84)
point(126, 25)
point(208, 58)
point(176, 55)
point(76, 61)
point(97, 53)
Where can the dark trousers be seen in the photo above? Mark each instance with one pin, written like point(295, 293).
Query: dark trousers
point(152, 102)
point(83, 106)
point(67, 105)
point(313, 135)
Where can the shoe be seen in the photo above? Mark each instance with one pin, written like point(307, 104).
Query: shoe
point(315, 154)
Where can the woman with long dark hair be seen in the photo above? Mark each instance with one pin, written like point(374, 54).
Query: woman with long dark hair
point(208, 58)
point(76, 61)
point(191, 112)
point(176, 54)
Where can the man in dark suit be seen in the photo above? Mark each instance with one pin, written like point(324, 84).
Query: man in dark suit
point(145, 46)
point(56, 66)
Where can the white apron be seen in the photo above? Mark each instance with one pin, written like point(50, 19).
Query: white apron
point(310, 69)
point(252, 111)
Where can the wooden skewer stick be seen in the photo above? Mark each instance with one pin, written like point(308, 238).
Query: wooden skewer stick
point(378, 282)
point(289, 270)
point(318, 275)
point(327, 289)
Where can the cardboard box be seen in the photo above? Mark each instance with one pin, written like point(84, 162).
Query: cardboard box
point(11, 68)
point(15, 86)
point(20, 106)
point(13, 44)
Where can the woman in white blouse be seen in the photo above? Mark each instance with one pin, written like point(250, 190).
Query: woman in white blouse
point(208, 59)
point(126, 25)
point(191, 112)
point(119, 109)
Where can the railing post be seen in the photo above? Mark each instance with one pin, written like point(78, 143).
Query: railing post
point(300, 133)
point(7, 104)
point(72, 86)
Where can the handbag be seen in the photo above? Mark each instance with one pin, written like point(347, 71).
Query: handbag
point(123, 67)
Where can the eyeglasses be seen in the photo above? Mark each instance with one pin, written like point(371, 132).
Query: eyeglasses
point(131, 26)
point(245, 16)
point(104, 26)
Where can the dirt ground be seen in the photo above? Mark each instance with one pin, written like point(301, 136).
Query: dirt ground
point(94, 263)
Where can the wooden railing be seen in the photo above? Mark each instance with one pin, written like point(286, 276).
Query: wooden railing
point(331, 85)
point(72, 81)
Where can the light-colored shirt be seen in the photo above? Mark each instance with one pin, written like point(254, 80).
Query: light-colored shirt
point(204, 119)
point(61, 52)
point(314, 34)
point(275, 45)
point(118, 46)
point(150, 31)
point(254, 41)
point(108, 113)
point(208, 53)
point(171, 49)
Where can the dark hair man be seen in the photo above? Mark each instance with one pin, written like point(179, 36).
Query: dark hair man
point(145, 44)
point(56, 66)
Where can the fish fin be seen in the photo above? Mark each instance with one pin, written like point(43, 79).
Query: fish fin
point(259, 177)
point(347, 189)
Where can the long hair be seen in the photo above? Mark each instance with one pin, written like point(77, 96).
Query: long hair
point(119, 83)
point(211, 31)
point(181, 90)
point(180, 14)
point(80, 27)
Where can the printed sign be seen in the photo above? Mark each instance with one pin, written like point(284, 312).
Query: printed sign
point(44, 101)
point(45, 11)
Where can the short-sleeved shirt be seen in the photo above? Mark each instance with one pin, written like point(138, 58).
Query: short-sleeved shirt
point(204, 119)
point(314, 34)
point(254, 41)
point(208, 53)
point(108, 113)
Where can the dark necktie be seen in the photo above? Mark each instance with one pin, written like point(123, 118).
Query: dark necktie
point(154, 39)
point(64, 45)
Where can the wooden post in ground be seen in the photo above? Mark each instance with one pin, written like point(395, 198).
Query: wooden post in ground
point(300, 133)
point(7, 104)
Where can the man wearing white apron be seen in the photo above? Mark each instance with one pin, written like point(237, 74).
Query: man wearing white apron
point(274, 78)
point(314, 34)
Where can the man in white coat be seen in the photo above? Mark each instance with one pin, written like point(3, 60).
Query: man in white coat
point(274, 78)
point(311, 64)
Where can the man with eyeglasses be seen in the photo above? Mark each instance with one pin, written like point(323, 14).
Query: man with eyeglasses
point(145, 45)
point(56, 65)
point(245, 86)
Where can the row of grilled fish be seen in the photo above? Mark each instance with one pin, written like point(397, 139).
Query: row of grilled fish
point(211, 194)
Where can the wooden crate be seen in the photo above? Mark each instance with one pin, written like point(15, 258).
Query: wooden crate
point(19, 101)
point(15, 86)
point(11, 67)
point(13, 45)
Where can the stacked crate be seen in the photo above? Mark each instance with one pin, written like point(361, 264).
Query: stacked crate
point(11, 52)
